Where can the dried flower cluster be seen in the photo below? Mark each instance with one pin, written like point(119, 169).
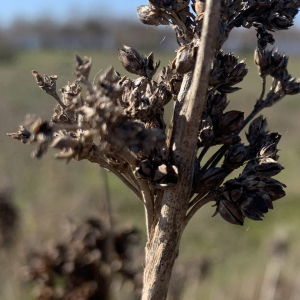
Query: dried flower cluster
point(86, 261)
point(118, 122)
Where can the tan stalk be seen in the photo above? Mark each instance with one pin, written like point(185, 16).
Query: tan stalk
point(162, 248)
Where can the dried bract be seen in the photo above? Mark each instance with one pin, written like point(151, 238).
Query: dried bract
point(22, 135)
point(149, 15)
point(150, 66)
point(199, 7)
point(227, 72)
point(83, 68)
point(185, 59)
point(131, 60)
point(236, 156)
point(46, 83)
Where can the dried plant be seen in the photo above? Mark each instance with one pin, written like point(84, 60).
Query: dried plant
point(118, 122)
point(85, 262)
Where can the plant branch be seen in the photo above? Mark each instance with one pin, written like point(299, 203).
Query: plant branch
point(108, 199)
point(208, 198)
point(264, 82)
point(57, 98)
point(128, 156)
point(110, 237)
point(125, 181)
point(148, 201)
point(203, 152)
point(129, 173)
point(196, 199)
point(212, 158)
point(97, 158)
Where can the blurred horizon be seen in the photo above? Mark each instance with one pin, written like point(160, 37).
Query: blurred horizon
point(64, 11)
point(99, 25)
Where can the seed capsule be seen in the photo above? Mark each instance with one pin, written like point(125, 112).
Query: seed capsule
point(131, 60)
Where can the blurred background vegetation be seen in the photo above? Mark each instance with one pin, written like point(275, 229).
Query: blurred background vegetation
point(217, 260)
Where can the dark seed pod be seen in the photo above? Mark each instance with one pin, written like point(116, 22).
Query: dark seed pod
point(236, 156)
point(217, 104)
point(131, 60)
point(281, 21)
point(185, 59)
point(274, 189)
point(292, 86)
point(263, 37)
point(210, 179)
point(230, 212)
point(268, 167)
point(256, 129)
point(229, 122)
point(229, 62)
point(253, 207)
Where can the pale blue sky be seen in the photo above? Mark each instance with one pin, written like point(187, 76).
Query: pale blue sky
point(66, 9)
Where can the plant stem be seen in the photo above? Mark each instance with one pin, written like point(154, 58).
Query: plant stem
point(110, 231)
point(213, 157)
point(148, 200)
point(128, 156)
point(129, 174)
point(196, 199)
point(107, 199)
point(264, 82)
point(208, 198)
point(107, 166)
point(203, 152)
point(162, 248)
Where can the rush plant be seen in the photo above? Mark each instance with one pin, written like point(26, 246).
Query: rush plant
point(118, 122)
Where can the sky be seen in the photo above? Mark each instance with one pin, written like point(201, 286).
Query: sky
point(64, 10)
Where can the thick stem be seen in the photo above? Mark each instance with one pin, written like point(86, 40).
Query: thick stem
point(162, 248)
